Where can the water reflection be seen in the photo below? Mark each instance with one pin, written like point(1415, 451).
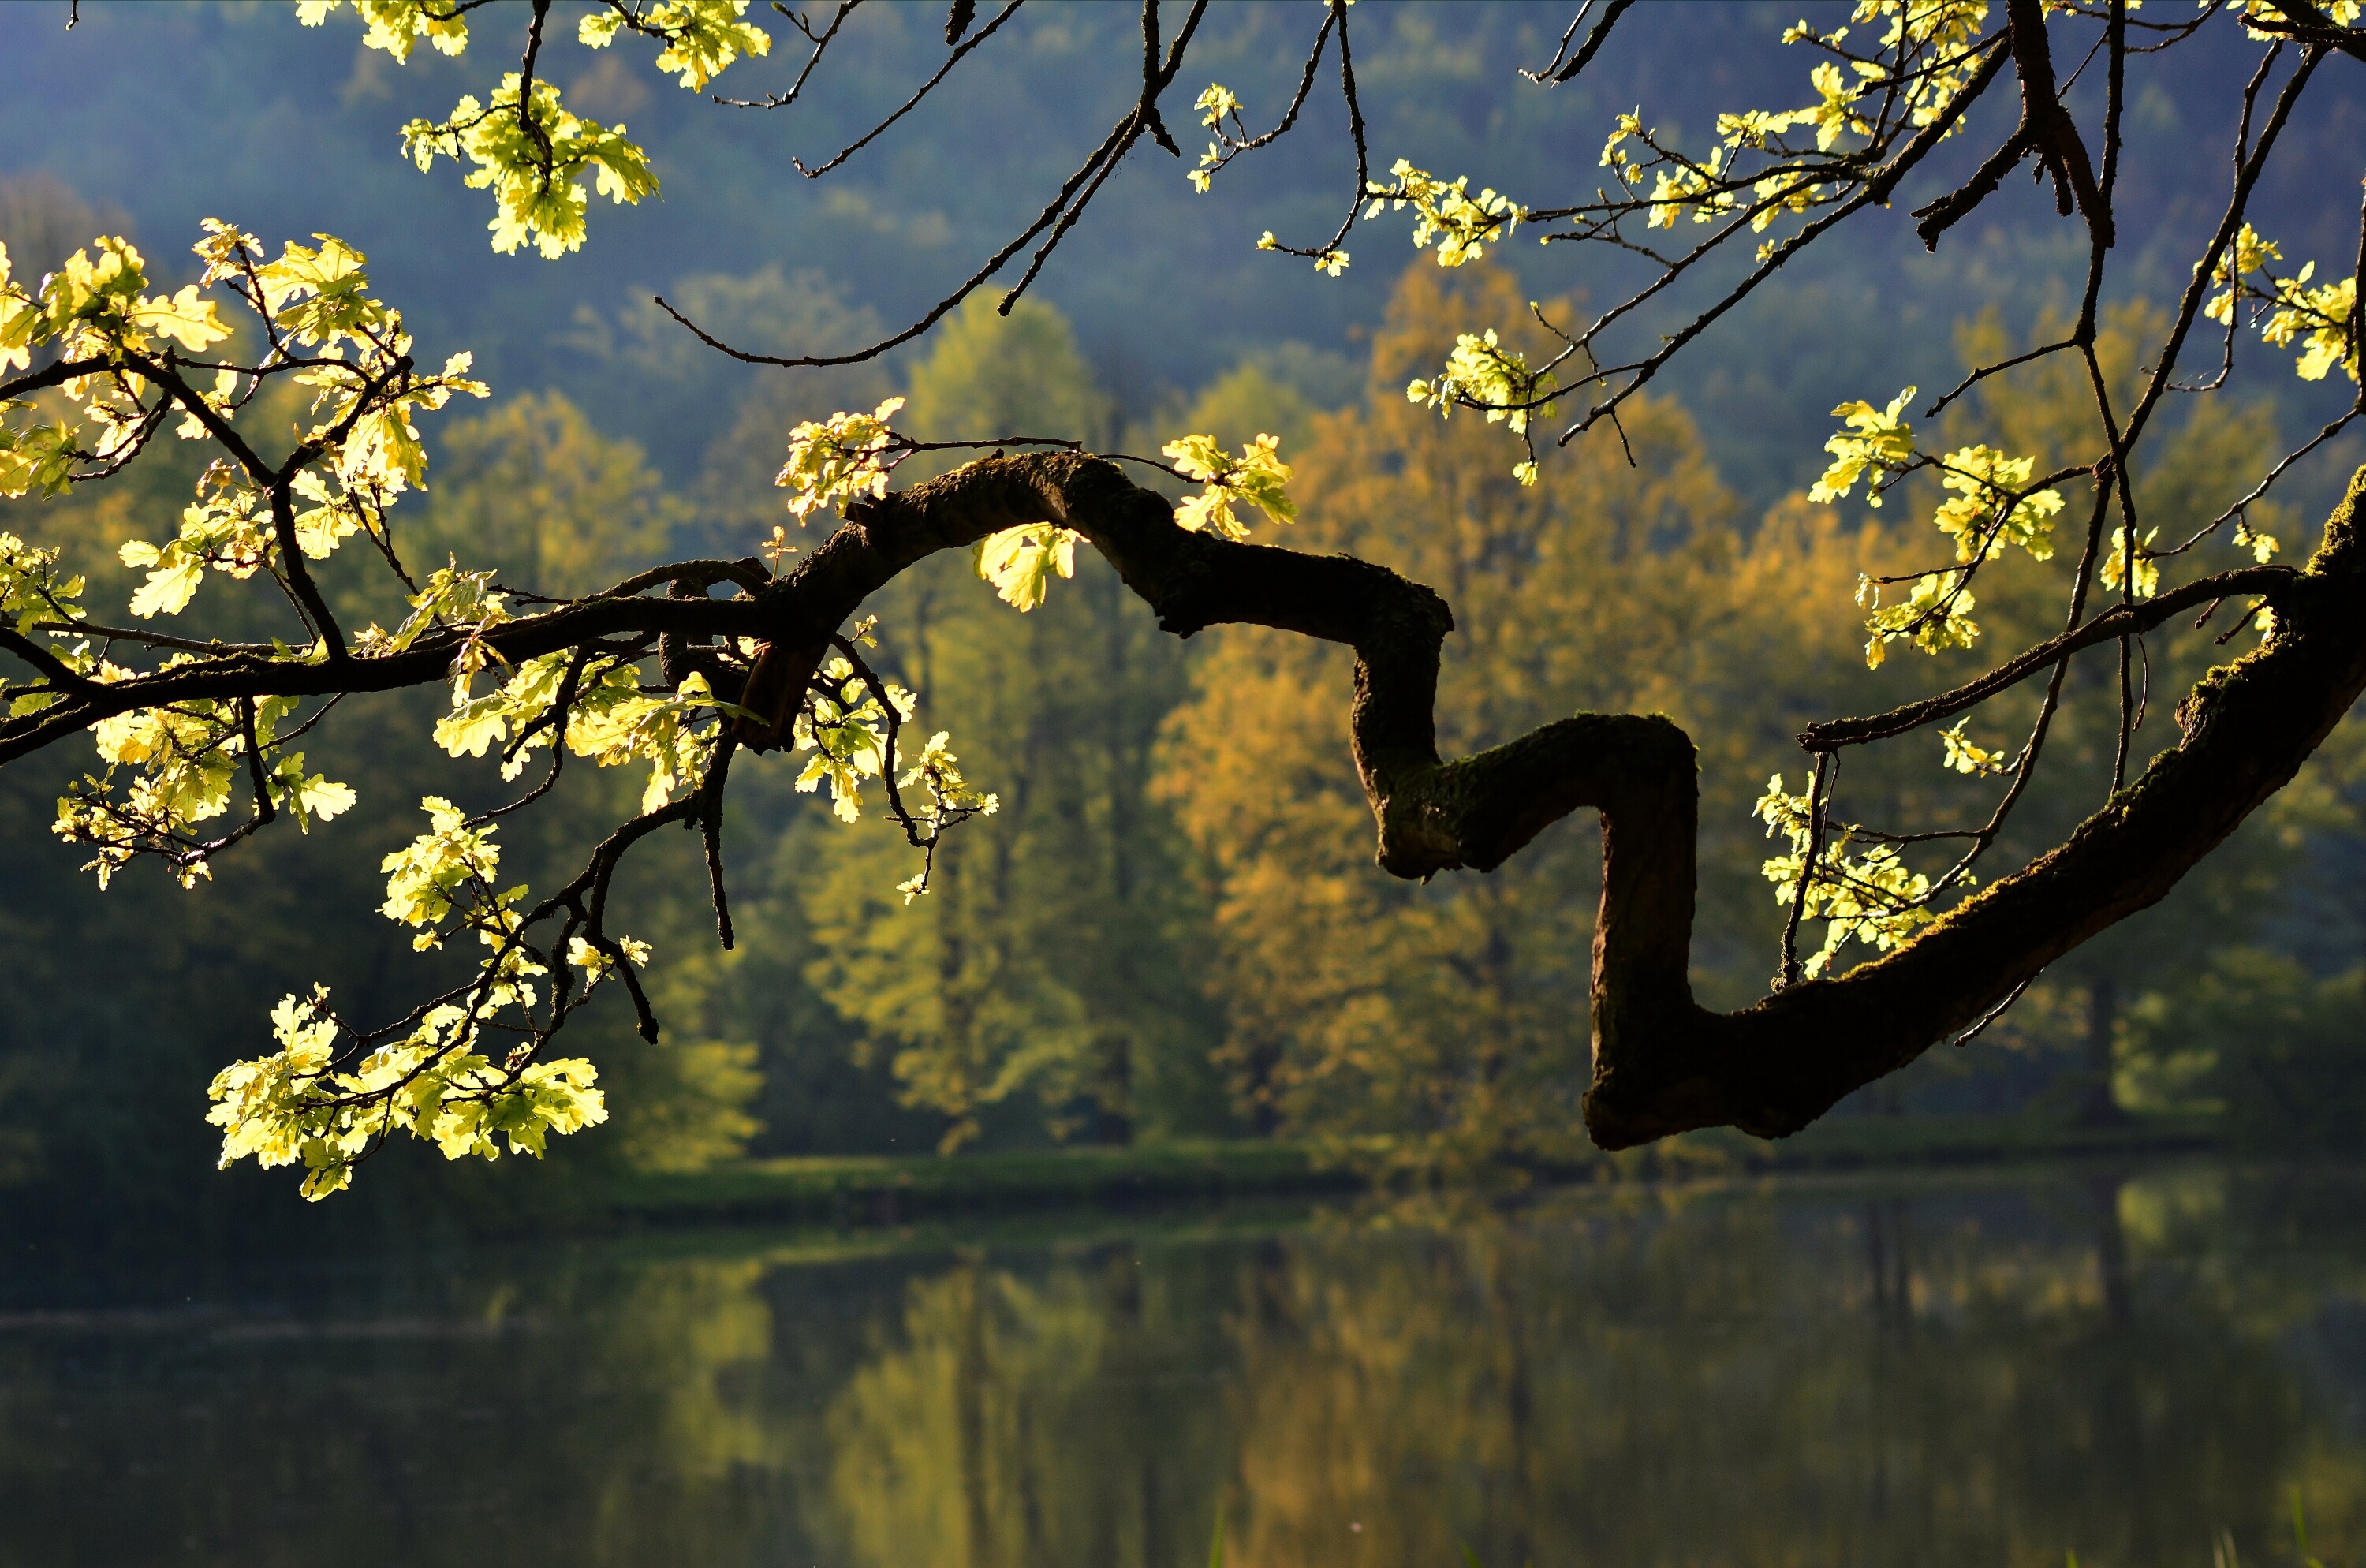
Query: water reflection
point(1989, 1371)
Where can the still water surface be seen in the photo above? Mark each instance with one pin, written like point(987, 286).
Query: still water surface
point(1990, 1371)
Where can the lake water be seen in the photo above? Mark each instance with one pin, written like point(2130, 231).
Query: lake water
point(1990, 1369)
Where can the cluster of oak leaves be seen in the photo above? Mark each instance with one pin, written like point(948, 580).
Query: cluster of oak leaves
point(169, 768)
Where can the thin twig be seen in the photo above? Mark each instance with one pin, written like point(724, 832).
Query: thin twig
point(911, 103)
point(1556, 73)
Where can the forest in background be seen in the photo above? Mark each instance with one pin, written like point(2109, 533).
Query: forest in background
point(1173, 927)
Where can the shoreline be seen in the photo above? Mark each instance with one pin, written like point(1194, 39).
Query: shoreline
point(885, 1190)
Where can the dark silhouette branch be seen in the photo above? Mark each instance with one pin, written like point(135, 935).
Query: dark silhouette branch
point(1662, 1063)
point(2125, 620)
point(2045, 130)
point(868, 136)
point(1058, 216)
point(1555, 72)
point(820, 42)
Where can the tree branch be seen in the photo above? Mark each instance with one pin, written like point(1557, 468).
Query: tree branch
point(1555, 73)
point(1662, 1063)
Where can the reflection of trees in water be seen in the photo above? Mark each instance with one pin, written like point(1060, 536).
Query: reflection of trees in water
point(1729, 1383)
point(1727, 1378)
point(1058, 1415)
point(569, 1417)
point(939, 1443)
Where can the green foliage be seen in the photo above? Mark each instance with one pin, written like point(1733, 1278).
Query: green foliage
point(522, 143)
point(836, 460)
point(1883, 444)
point(91, 312)
point(1874, 897)
point(34, 592)
point(360, 452)
point(2271, 1043)
point(1992, 507)
point(701, 37)
point(1050, 960)
point(1255, 477)
point(295, 1108)
point(565, 508)
point(2287, 309)
point(395, 25)
point(2086, 1009)
point(534, 477)
point(532, 154)
point(1020, 561)
point(313, 1102)
point(1484, 373)
point(1463, 225)
point(1911, 77)
point(1018, 980)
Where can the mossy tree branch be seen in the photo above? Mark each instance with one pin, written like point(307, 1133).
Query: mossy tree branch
point(1662, 1063)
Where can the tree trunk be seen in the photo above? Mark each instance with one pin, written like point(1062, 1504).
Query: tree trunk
point(2097, 1107)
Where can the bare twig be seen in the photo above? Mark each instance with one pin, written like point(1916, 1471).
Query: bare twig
point(1555, 72)
point(868, 136)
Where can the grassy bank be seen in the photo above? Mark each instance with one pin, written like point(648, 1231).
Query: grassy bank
point(888, 1189)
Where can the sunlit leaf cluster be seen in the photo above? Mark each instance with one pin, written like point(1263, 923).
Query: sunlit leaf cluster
point(35, 592)
point(533, 156)
point(937, 772)
point(464, 1072)
point(1874, 897)
point(701, 37)
point(116, 352)
point(2321, 318)
point(1330, 260)
point(522, 144)
point(1257, 478)
point(612, 719)
point(1216, 104)
point(846, 731)
point(2264, 19)
point(1486, 374)
point(94, 315)
point(1766, 165)
point(398, 26)
point(1989, 506)
point(852, 726)
point(843, 459)
point(1461, 224)
point(1021, 562)
point(182, 763)
point(112, 364)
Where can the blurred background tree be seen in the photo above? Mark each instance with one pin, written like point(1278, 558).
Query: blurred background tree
point(1044, 986)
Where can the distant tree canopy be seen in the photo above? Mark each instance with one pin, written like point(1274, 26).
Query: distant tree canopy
point(1483, 598)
